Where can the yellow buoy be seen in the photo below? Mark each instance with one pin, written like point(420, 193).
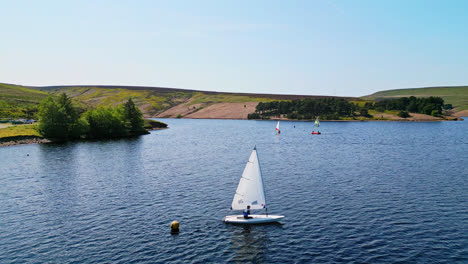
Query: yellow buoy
point(174, 227)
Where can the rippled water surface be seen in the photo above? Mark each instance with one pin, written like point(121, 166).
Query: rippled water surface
point(363, 192)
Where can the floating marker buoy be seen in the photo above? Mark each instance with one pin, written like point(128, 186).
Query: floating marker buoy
point(174, 227)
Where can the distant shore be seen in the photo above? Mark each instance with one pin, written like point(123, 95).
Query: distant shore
point(399, 119)
point(239, 111)
point(24, 140)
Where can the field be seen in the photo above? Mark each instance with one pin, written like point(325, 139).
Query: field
point(18, 131)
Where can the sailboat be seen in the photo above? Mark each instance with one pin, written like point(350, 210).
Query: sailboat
point(277, 128)
point(250, 192)
point(317, 124)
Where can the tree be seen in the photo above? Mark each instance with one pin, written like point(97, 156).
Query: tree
point(105, 123)
point(448, 106)
point(364, 112)
point(403, 114)
point(133, 118)
point(59, 119)
point(254, 116)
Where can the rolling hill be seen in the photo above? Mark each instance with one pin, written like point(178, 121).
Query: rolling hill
point(171, 102)
point(19, 101)
point(22, 101)
point(455, 95)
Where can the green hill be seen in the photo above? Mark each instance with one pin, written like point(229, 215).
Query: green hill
point(19, 101)
point(455, 95)
point(22, 101)
point(155, 100)
point(16, 100)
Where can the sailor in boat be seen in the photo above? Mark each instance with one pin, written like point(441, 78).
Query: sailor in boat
point(247, 212)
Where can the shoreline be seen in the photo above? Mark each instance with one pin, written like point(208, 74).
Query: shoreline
point(29, 140)
point(454, 118)
point(22, 140)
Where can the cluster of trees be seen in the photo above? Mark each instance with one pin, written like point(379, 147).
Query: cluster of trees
point(424, 105)
point(334, 108)
point(60, 120)
point(326, 108)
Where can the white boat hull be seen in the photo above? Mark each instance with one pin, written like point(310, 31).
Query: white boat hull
point(255, 219)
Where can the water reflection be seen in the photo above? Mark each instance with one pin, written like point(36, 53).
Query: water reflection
point(250, 242)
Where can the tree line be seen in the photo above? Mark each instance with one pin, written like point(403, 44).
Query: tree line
point(326, 108)
point(60, 120)
point(335, 108)
point(424, 105)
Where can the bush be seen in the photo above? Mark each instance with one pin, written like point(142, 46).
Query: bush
point(403, 114)
point(105, 123)
point(364, 112)
point(435, 113)
point(448, 106)
point(254, 116)
point(380, 109)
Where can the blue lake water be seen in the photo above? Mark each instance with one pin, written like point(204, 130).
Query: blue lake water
point(362, 192)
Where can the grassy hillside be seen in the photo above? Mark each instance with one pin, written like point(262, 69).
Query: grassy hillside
point(150, 101)
point(19, 101)
point(456, 95)
point(154, 100)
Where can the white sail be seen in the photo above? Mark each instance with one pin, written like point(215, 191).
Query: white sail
point(277, 126)
point(250, 189)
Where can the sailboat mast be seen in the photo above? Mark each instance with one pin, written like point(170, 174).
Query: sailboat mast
point(261, 178)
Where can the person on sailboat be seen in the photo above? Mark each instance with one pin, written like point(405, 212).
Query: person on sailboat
point(247, 212)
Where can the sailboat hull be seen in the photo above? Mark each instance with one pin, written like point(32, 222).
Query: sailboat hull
point(255, 219)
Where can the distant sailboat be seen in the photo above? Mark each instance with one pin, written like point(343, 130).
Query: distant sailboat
point(277, 128)
point(316, 125)
point(250, 192)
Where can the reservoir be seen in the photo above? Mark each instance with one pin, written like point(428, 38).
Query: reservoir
point(361, 192)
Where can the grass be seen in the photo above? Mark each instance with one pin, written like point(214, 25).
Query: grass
point(457, 95)
point(21, 93)
point(19, 131)
point(201, 97)
point(17, 101)
point(151, 101)
point(360, 103)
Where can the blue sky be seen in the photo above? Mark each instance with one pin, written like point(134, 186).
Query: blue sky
point(317, 47)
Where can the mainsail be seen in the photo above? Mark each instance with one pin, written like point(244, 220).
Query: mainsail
point(277, 126)
point(317, 123)
point(250, 189)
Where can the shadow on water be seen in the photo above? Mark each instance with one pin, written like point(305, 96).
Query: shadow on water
point(249, 243)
